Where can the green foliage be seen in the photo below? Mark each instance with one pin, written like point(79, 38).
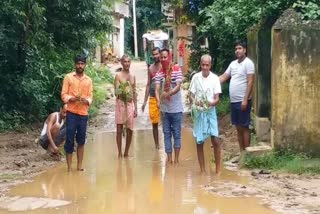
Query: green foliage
point(12, 120)
point(224, 21)
point(149, 17)
point(124, 92)
point(223, 107)
point(310, 10)
point(196, 53)
point(38, 42)
point(9, 176)
point(99, 75)
point(284, 160)
point(99, 96)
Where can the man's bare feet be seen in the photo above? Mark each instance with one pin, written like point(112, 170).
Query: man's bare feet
point(169, 161)
point(81, 170)
point(157, 146)
point(217, 173)
point(120, 156)
point(203, 172)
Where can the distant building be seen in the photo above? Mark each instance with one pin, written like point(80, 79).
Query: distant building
point(121, 11)
point(181, 32)
point(115, 47)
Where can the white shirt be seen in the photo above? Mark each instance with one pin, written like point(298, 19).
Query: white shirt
point(45, 125)
point(205, 87)
point(238, 83)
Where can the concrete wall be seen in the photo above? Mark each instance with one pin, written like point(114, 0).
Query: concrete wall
point(295, 112)
point(259, 51)
point(252, 50)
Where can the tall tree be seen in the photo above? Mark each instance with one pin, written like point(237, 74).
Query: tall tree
point(38, 40)
point(149, 17)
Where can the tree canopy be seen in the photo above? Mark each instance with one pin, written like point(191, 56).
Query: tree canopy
point(39, 39)
point(149, 17)
point(224, 21)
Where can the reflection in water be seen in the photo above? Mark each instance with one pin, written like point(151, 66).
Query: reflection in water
point(156, 182)
point(124, 193)
point(54, 189)
point(142, 184)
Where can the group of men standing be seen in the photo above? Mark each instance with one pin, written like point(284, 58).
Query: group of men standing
point(165, 103)
point(163, 91)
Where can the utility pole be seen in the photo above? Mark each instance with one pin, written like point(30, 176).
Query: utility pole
point(135, 29)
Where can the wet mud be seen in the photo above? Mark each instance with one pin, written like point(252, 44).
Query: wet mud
point(143, 183)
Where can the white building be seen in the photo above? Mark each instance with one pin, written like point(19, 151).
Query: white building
point(120, 12)
point(114, 49)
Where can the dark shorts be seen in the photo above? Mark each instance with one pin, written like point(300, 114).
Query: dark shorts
point(238, 117)
point(76, 127)
point(44, 141)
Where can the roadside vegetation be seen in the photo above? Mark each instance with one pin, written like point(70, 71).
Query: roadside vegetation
point(100, 77)
point(283, 161)
point(39, 40)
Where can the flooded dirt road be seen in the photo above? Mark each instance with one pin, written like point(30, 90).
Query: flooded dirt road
point(140, 184)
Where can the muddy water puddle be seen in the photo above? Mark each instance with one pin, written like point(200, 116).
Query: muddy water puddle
point(140, 184)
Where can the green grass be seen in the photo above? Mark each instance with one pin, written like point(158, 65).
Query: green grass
point(6, 176)
point(223, 107)
point(283, 161)
point(253, 139)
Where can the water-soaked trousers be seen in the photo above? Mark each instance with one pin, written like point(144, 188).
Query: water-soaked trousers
point(171, 124)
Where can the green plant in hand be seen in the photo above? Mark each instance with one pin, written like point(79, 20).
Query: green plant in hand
point(124, 92)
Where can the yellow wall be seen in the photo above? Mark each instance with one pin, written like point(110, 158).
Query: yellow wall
point(295, 89)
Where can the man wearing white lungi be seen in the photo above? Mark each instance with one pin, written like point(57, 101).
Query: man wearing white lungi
point(204, 95)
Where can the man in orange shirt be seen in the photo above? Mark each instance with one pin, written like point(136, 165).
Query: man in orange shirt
point(77, 93)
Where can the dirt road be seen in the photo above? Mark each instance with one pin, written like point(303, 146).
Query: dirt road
point(21, 159)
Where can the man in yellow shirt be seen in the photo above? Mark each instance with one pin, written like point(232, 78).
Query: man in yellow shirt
point(77, 93)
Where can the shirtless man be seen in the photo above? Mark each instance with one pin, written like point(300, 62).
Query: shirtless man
point(154, 112)
point(126, 104)
point(53, 132)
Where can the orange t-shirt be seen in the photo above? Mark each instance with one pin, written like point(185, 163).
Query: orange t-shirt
point(74, 86)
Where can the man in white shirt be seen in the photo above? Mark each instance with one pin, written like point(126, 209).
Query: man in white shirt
point(204, 95)
point(241, 71)
point(53, 132)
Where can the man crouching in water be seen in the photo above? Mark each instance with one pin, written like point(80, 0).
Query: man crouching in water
point(54, 133)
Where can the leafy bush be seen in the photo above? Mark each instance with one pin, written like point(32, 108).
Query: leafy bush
point(99, 96)
point(310, 10)
point(38, 43)
point(196, 52)
point(99, 75)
